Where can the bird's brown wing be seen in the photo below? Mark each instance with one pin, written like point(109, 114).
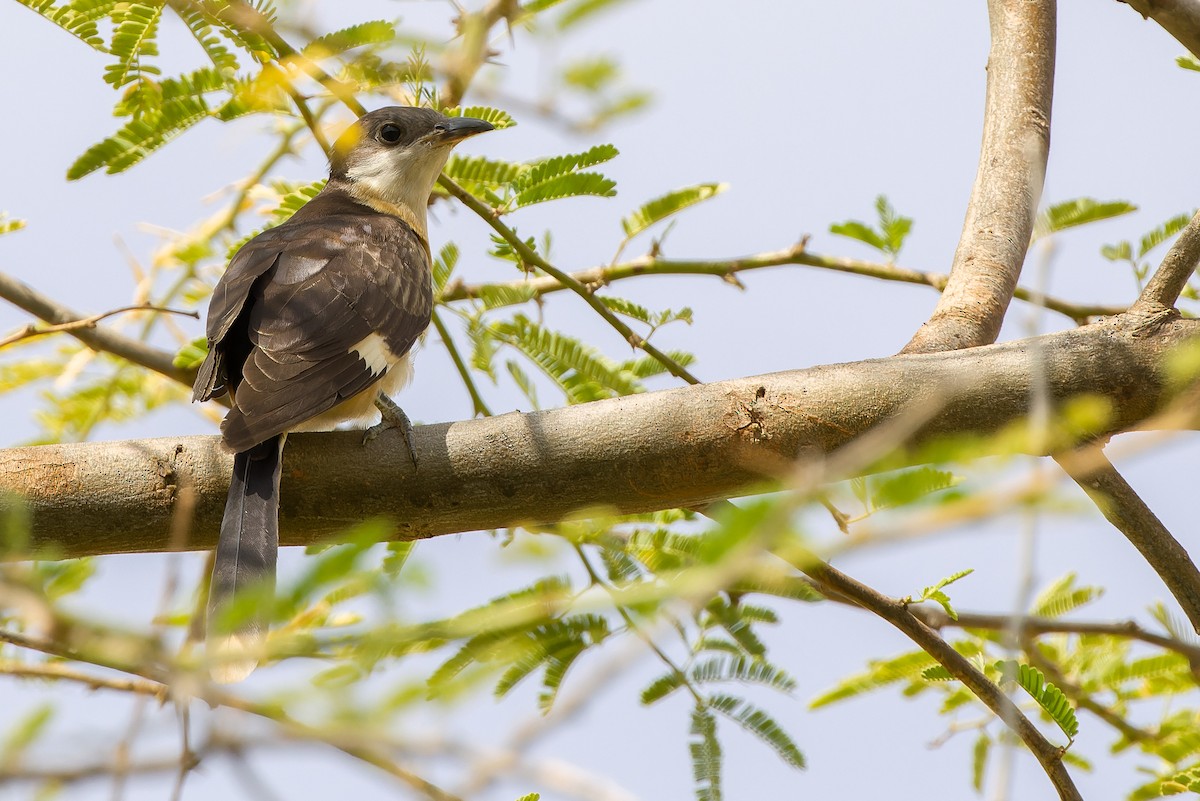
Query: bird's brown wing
point(287, 317)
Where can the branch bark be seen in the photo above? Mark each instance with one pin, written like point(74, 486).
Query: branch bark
point(677, 448)
point(51, 311)
point(1180, 18)
point(728, 269)
point(899, 615)
point(1125, 509)
point(1008, 184)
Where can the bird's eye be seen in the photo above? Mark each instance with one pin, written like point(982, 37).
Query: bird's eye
point(390, 133)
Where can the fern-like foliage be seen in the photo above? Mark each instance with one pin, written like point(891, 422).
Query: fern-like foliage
point(579, 370)
point(201, 26)
point(138, 138)
point(1063, 596)
point(1080, 211)
point(360, 35)
point(887, 236)
point(671, 203)
point(706, 755)
point(77, 18)
point(936, 594)
point(760, 724)
point(9, 224)
point(133, 40)
point(1051, 699)
point(499, 118)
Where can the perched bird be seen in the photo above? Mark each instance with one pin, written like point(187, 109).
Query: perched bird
point(313, 325)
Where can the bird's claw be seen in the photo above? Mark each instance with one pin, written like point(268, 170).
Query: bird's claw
point(392, 417)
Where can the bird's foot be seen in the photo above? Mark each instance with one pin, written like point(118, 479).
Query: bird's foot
point(393, 417)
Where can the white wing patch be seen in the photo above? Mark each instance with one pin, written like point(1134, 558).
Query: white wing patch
point(375, 352)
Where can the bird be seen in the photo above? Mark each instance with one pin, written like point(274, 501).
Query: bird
point(311, 325)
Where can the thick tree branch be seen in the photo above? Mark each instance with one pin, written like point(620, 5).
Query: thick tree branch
point(899, 615)
point(1173, 274)
point(1122, 506)
point(728, 269)
point(677, 448)
point(1008, 185)
point(1180, 18)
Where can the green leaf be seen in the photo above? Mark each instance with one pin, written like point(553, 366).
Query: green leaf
point(860, 231)
point(1162, 233)
point(761, 725)
point(9, 224)
point(140, 137)
point(934, 592)
point(25, 732)
point(742, 669)
point(902, 487)
point(889, 238)
point(662, 207)
point(706, 755)
point(523, 382)
point(364, 33)
point(1188, 63)
point(661, 687)
point(578, 184)
point(397, 557)
point(937, 673)
point(201, 27)
point(192, 355)
point(581, 372)
point(556, 166)
point(1048, 697)
point(135, 28)
point(880, 673)
point(581, 10)
point(77, 18)
point(499, 119)
point(591, 74)
point(894, 228)
point(530, 797)
point(1079, 211)
point(478, 171)
point(1062, 596)
point(979, 757)
point(443, 266)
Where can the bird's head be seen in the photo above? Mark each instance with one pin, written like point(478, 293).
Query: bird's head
point(395, 154)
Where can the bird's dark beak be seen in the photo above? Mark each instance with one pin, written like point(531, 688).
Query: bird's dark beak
point(455, 129)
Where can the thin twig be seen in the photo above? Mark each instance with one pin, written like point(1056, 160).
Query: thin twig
point(480, 407)
point(937, 619)
point(1173, 274)
point(33, 330)
point(26, 297)
point(727, 269)
point(899, 615)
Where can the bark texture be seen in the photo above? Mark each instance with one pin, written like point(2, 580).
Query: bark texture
point(680, 447)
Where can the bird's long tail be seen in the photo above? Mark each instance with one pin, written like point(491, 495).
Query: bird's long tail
point(244, 568)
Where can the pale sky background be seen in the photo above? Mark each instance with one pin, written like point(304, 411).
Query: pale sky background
point(808, 110)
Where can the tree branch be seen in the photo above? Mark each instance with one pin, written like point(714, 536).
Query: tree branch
point(1122, 507)
point(727, 269)
point(1180, 18)
point(900, 616)
point(1008, 185)
point(1173, 273)
point(677, 448)
point(44, 308)
point(936, 618)
point(31, 330)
